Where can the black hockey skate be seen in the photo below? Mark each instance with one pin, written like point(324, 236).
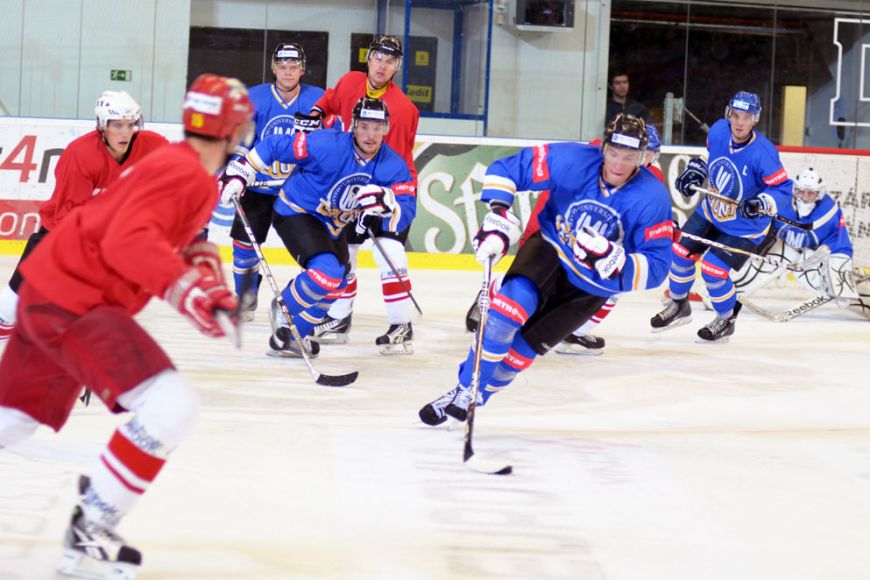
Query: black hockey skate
point(583, 344)
point(433, 413)
point(398, 340)
point(676, 313)
point(247, 307)
point(282, 345)
point(472, 317)
point(458, 407)
point(333, 331)
point(91, 551)
point(720, 329)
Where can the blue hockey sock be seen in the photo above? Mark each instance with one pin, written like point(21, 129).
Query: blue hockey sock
point(510, 309)
point(681, 276)
point(716, 275)
point(246, 268)
point(306, 295)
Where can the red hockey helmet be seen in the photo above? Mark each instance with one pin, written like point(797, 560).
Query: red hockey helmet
point(216, 106)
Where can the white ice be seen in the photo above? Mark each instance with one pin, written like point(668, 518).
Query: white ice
point(662, 459)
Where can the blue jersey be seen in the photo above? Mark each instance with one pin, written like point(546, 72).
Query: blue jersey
point(742, 174)
point(636, 214)
point(829, 228)
point(327, 170)
point(274, 116)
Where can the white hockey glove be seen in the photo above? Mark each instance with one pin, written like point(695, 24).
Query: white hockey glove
point(237, 176)
point(303, 123)
point(598, 252)
point(375, 203)
point(199, 295)
point(762, 204)
point(500, 229)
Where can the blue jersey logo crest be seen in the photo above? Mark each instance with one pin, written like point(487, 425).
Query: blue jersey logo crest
point(340, 202)
point(588, 212)
point(280, 125)
point(725, 179)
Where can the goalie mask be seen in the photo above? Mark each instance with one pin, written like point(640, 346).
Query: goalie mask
point(807, 191)
point(117, 106)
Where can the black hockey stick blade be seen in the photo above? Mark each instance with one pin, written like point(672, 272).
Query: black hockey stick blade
point(336, 380)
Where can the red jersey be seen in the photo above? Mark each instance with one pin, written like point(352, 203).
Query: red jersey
point(340, 99)
point(125, 247)
point(86, 168)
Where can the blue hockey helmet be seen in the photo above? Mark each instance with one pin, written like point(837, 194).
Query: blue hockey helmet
point(745, 102)
point(653, 144)
point(289, 51)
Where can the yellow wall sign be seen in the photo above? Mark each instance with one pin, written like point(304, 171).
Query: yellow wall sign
point(363, 53)
point(421, 58)
point(420, 93)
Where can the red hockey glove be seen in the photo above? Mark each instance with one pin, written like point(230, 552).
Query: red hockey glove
point(198, 294)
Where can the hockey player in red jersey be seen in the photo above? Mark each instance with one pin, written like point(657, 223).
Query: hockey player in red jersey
point(88, 165)
point(384, 61)
point(82, 287)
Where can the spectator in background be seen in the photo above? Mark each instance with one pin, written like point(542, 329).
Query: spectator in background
point(620, 102)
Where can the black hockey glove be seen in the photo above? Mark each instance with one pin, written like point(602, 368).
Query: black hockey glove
point(762, 204)
point(692, 176)
point(303, 123)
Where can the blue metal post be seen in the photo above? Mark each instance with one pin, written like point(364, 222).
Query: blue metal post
point(486, 77)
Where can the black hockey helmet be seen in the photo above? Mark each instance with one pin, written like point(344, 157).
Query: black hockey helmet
point(627, 131)
point(289, 51)
point(371, 109)
point(386, 44)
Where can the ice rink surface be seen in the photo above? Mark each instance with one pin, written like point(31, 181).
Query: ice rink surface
point(662, 459)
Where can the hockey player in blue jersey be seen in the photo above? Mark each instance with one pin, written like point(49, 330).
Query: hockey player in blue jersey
point(340, 178)
point(745, 167)
point(276, 105)
point(606, 229)
point(823, 254)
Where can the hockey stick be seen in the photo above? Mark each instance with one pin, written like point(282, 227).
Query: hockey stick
point(788, 313)
point(794, 311)
point(770, 214)
point(476, 463)
point(380, 249)
point(713, 244)
point(268, 183)
point(319, 378)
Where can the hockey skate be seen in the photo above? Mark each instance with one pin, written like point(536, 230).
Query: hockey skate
point(281, 343)
point(247, 307)
point(398, 340)
point(333, 331)
point(458, 407)
point(676, 313)
point(720, 329)
point(433, 413)
point(583, 344)
point(91, 551)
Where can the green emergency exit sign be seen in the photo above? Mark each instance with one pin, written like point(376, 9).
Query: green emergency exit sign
point(121, 75)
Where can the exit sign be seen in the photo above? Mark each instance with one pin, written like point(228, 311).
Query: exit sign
point(121, 75)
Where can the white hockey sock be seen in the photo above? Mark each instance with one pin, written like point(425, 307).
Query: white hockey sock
point(343, 306)
point(396, 299)
point(15, 426)
point(8, 305)
point(596, 319)
point(164, 410)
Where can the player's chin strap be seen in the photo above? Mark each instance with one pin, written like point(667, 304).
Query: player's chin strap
point(770, 214)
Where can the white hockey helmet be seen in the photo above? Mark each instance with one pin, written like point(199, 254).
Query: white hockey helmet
point(117, 106)
point(808, 190)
